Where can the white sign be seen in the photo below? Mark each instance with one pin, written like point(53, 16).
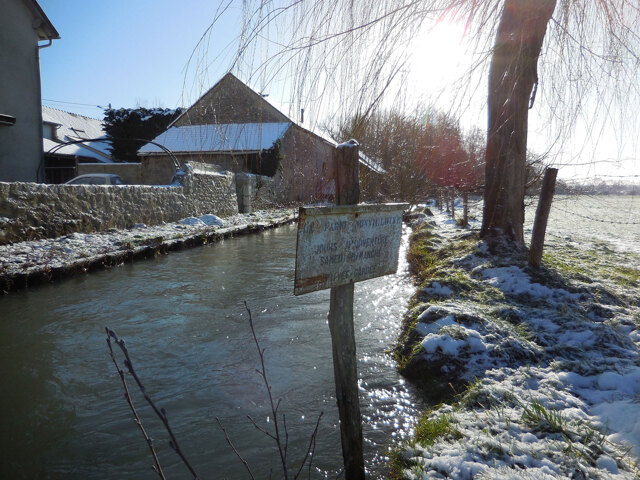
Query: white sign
point(343, 244)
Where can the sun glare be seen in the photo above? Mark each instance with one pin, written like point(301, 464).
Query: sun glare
point(439, 57)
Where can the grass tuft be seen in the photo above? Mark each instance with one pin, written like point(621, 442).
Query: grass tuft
point(397, 464)
point(544, 419)
point(429, 429)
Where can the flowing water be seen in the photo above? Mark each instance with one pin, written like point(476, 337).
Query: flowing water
point(182, 315)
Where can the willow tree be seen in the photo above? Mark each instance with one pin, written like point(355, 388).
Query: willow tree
point(345, 57)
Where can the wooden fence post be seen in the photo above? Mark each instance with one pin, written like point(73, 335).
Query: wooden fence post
point(343, 341)
point(542, 216)
point(465, 208)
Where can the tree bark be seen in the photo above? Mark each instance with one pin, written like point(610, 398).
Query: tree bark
point(542, 217)
point(512, 74)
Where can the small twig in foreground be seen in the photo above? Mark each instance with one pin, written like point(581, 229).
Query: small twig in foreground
point(226, 436)
point(282, 450)
point(310, 449)
point(161, 413)
point(127, 396)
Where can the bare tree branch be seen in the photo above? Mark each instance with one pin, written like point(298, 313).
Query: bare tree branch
point(226, 436)
point(160, 412)
point(157, 468)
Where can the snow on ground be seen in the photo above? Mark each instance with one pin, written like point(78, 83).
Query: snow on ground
point(551, 360)
point(76, 248)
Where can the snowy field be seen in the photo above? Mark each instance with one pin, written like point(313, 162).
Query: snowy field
point(551, 357)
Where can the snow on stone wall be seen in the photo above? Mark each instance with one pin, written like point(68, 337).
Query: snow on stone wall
point(31, 210)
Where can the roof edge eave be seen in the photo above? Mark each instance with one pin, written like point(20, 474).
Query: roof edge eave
point(47, 28)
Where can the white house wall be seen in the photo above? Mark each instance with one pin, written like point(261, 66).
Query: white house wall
point(20, 144)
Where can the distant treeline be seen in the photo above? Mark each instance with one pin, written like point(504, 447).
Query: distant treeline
point(597, 188)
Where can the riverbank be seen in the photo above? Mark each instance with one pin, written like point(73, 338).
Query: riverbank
point(536, 372)
point(29, 263)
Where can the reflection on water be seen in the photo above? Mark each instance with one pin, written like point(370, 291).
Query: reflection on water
point(183, 317)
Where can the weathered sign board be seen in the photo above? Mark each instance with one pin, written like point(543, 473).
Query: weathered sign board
point(338, 245)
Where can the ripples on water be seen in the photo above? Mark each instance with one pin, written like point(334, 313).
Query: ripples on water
point(182, 316)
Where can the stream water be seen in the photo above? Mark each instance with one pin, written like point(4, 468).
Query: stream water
point(183, 318)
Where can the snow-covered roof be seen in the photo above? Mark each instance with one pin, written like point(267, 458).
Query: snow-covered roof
point(371, 164)
point(365, 160)
point(71, 127)
point(75, 150)
point(230, 137)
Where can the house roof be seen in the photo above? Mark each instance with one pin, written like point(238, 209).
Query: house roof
point(230, 81)
point(71, 150)
point(72, 127)
point(370, 163)
point(230, 137)
point(42, 25)
point(194, 135)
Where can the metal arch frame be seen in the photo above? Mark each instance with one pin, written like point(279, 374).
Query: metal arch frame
point(176, 163)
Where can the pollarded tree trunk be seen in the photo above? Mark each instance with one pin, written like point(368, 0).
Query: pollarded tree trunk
point(512, 74)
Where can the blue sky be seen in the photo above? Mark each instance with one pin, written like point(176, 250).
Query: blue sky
point(123, 52)
point(131, 53)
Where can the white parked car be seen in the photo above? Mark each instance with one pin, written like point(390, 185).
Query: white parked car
point(96, 179)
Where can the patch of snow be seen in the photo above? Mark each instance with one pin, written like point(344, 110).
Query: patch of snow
point(607, 463)
point(443, 343)
point(515, 281)
point(435, 288)
point(193, 221)
point(621, 418)
point(426, 328)
point(211, 219)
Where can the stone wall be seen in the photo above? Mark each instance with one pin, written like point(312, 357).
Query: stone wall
point(31, 210)
point(308, 169)
point(259, 191)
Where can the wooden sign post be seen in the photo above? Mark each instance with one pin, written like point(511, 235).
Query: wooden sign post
point(338, 246)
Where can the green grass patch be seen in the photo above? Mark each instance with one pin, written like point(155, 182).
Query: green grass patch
point(579, 268)
point(421, 255)
point(626, 276)
point(428, 257)
point(544, 419)
point(429, 430)
point(591, 266)
point(397, 464)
